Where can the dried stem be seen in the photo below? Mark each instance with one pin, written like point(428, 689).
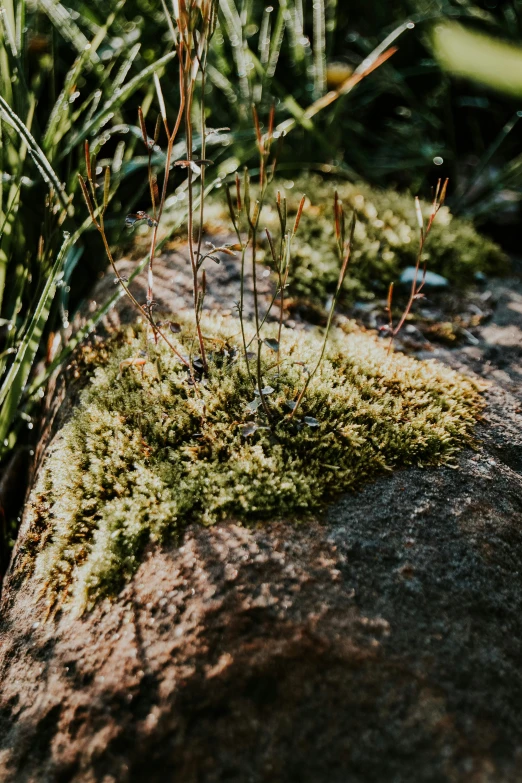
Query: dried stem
point(234, 216)
point(347, 250)
point(97, 217)
point(203, 131)
point(415, 291)
point(171, 138)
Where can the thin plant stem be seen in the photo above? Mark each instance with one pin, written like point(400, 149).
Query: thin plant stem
point(285, 258)
point(415, 291)
point(168, 158)
point(256, 315)
point(260, 380)
point(342, 274)
point(240, 309)
point(203, 155)
point(97, 217)
point(157, 331)
point(244, 247)
point(192, 255)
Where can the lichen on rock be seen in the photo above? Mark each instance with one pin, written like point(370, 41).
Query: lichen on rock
point(144, 453)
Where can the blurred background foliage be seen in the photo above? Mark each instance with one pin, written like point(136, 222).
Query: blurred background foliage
point(78, 69)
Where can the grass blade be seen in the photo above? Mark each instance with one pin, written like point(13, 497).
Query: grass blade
point(118, 98)
point(37, 153)
point(62, 20)
point(319, 48)
point(16, 378)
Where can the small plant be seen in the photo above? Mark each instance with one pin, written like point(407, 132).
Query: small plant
point(416, 287)
point(243, 211)
point(344, 249)
point(282, 257)
point(246, 217)
point(386, 238)
point(192, 27)
point(97, 212)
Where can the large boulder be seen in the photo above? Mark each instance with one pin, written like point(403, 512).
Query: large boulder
point(378, 643)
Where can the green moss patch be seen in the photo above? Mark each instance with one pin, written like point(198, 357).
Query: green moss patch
point(386, 240)
point(144, 455)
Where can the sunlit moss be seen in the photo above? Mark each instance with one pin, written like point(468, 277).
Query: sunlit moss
point(386, 239)
point(143, 455)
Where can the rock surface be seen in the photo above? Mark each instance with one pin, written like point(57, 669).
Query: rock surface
point(380, 643)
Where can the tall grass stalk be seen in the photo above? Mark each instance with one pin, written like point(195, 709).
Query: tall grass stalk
point(416, 287)
point(344, 246)
point(40, 153)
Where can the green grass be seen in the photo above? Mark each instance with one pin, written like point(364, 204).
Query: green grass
point(41, 150)
point(143, 455)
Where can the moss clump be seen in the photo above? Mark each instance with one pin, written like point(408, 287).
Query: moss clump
point(386, 240)
point(143, 455)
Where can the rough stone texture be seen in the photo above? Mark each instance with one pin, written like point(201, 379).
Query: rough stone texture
point(380, 643)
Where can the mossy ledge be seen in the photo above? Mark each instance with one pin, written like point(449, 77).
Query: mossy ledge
point(143, 455)
point(386, 239)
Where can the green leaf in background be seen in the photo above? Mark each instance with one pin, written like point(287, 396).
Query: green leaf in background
point(117, 99)
point(16, 378)
point(476, 56)
point(43, 165)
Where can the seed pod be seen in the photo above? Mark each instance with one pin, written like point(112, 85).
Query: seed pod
point(157, 129)
point(87, 198)
point(257, 128)
point(238, 192)
point(255, 216)
point(143, 127)
point(106, 187)
point(271, 243)
point(298, 216)
point(88, 161)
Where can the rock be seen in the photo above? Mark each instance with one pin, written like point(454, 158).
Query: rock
point(432, 279)
point(379, 643)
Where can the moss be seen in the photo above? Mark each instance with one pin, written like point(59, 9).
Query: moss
point(143, 455)
point(386, 240)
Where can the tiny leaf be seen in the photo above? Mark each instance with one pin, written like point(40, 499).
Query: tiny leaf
point(133, 362)
point(210, 131)
point(310, 421)
point(225, 249)
point(272, 344)
point(248, 429)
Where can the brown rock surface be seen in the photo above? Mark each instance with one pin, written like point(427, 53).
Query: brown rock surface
point(380, 643)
